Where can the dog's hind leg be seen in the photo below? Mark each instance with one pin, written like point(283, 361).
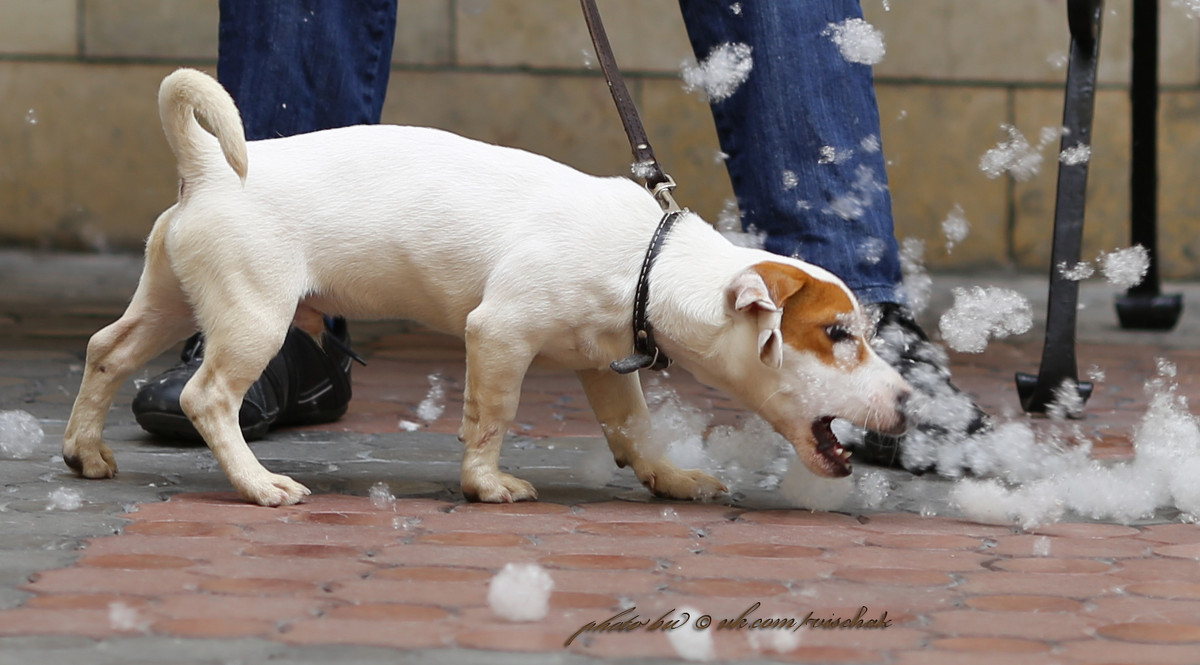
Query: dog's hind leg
point(497, 361)
point(621, 409)
point(239, 342)
point(157, 317)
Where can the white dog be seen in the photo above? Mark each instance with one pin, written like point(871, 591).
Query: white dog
point(520, 256)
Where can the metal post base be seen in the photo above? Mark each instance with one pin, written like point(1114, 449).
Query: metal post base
point(1037, 395)
point(1149, 312)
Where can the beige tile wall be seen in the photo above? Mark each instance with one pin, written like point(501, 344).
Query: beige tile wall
point(83, 164)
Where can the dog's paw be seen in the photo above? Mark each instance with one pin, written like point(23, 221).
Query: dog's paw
point(273, 489)
point(685, 485)
point(497, 487)
point(95, 461)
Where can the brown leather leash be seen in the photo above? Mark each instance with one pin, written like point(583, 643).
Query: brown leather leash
point(659, 183)
point(646, 354)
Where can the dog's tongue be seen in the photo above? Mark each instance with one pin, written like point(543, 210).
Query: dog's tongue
point(836, 458)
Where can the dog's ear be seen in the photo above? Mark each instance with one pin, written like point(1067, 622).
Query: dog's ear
point(760, 291)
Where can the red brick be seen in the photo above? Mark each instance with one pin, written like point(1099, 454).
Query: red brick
point(492, 558)
point(689, 514)
point(1024, 603)
point(940, 560)
point(908, 523)
point(1181, 551)
point(1180, 590)
point(766, 551)
point(1086, 530)
point(304, 551)
point(727, 587)
point(249, 586)
point(989, 645)
point(1119, 609)
point(598, 562)
point(1020, 625)
point(519, 508)
point(792, 570)
point(183, 529)
point(740, 531)
point(266, 608)
point(924, 541)
point(304, 569)
point(389, 612)
point(406, 635)
point(516, 637)
point(1064, 585)
point(646, 547)
point(1134, 653)
point(433, 574)
point(1065, 547)
point(634, 529)
point(446, 594)
point(1160, 569)
point(627, 581)
point(1152, 632)
point(490, 522)
point(1053, 566)
point(214, 627)
point(1173, 534)
point(560, 600)
point(473, 539)
point(895, 576)
point(362, 537)
point(803, 518)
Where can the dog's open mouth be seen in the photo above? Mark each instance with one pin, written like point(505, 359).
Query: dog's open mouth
point(834, 459)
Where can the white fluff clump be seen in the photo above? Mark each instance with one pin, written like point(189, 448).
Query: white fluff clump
point(434, 404)
point(20, 434)
point(1125, 268)
point(955, 227)
point(1038, 483)
point(691, 643)
point(858, 41)
point(521, 592)
point(804, 489)
point(917, 284)
point(382, 497)
point(1075, 155)
point(725, 69)
point(65, 498)
point(982, 313)
point(1015, 156)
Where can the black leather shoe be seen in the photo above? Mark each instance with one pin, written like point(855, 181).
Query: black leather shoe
point(941, 414)
point(304, 384)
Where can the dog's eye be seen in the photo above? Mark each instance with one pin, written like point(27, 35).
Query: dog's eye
point(837, 333)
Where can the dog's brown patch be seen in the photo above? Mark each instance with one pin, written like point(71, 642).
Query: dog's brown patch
point(810, 307)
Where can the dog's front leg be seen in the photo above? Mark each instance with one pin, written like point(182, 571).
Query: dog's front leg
point(496, 366)
point(621, 409)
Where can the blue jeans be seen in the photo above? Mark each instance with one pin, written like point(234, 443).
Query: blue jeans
point(297, 66)
point(830, 208)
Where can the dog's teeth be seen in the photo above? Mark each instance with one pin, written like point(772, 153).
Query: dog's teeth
point(846, 455)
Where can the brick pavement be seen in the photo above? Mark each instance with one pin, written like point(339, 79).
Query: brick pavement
point(341, 573)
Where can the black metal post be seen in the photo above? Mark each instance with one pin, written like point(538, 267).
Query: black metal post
point(1144, 307)
point(1058, 353)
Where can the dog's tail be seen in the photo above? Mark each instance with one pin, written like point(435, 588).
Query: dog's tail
point(188, 94)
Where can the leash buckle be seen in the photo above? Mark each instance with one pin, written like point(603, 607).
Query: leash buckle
point(662, 193)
